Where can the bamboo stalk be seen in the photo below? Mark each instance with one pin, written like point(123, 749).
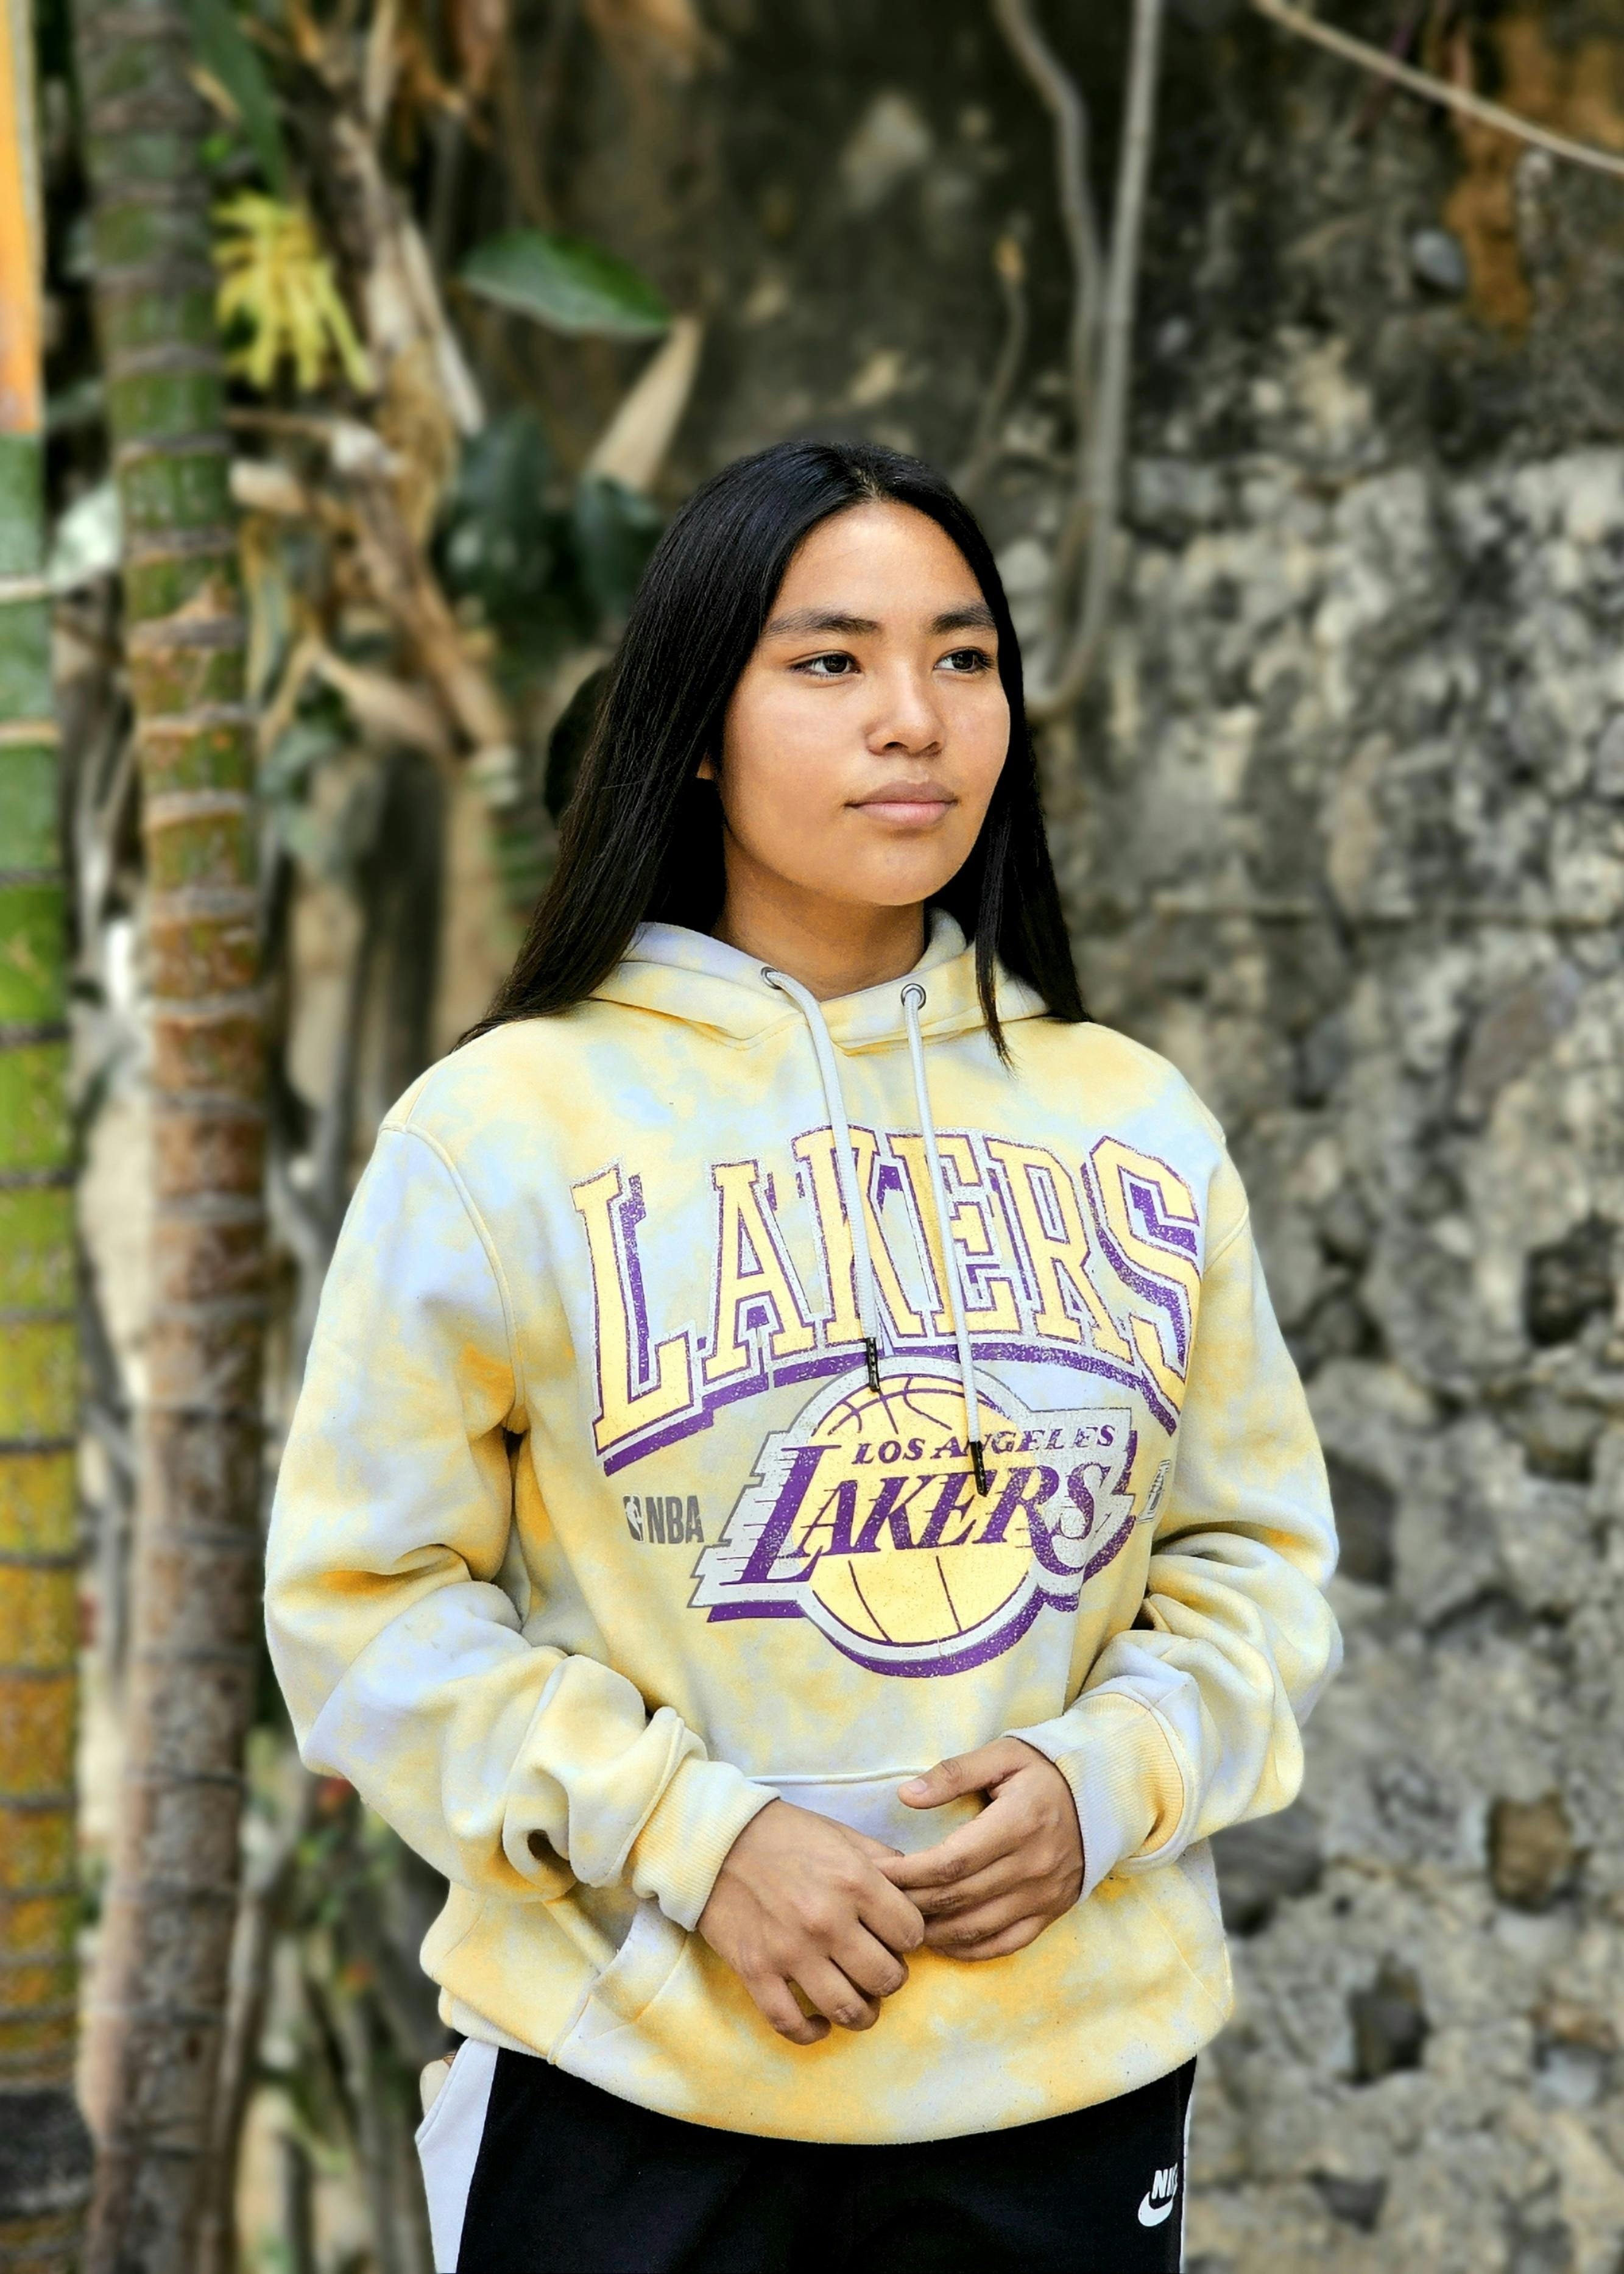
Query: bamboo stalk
point(159, 2002)
point(44, 2148)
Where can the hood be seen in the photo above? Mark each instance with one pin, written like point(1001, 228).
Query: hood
point(685, 974)
point(678, 973)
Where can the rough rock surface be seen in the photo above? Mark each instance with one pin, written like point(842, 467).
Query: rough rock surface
point(1350, 853)
point(1346, 839)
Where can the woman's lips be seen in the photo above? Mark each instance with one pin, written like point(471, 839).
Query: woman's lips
point(909, 807)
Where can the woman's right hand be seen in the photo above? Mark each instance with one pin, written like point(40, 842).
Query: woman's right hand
point(801, 1901)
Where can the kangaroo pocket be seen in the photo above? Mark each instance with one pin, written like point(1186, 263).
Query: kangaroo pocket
point(633, 1978)
point(867, 1801)
point(1184, 1894)
point(1122, 1990)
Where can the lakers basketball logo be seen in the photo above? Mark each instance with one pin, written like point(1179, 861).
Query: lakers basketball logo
point(863, 1517)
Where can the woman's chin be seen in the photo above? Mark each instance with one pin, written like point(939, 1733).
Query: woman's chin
point(898, 883)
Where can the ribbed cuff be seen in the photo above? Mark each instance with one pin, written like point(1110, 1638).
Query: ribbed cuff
point(676, 1854)
point(1113, 1752)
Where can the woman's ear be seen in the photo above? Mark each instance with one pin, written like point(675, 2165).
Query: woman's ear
point(706, 769)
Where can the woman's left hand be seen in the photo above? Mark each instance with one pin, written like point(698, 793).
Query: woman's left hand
point(993, 1885)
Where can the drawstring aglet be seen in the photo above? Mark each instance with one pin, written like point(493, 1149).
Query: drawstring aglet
point(871, 1353)
point(978, 1463)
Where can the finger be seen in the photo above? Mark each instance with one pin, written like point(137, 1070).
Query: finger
point(890, 1916)
point(775, 2001)
point(876, 1850)
point(831, 1992)
point(1001, 1876)
point(980, 1770)
point(950, 1780)
point(868, 1964)
point(1001, 1945)
point(987, 1920)
point(971, 1848)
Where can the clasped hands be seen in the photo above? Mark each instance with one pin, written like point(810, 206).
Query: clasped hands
point(802, 1904)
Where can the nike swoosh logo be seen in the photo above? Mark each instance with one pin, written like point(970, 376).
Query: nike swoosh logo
point(1153, 2214)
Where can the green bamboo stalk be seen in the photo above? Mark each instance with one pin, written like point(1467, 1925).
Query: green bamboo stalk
point(158, 2005)
point(44, 2148)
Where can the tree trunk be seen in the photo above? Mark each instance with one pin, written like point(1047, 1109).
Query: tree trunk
point(44, 2149)
point(157, 2011)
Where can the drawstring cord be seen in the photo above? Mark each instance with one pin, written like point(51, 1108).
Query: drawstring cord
point(913, 999)
point(913, 1003)
point(846, 1163)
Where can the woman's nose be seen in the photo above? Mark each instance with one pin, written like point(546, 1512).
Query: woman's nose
point(909, 719)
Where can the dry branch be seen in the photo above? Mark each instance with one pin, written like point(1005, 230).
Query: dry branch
point(1063, 98)
point(260, 1918)
point(1432, 90)
point(1010, 266)
point(1102, 429)
point(1108, 436)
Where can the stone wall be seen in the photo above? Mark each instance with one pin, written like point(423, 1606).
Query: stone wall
point(1350, 853)
point(1341, 831)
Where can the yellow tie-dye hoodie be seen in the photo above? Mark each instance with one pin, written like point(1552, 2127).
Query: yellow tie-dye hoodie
point(593, 1534)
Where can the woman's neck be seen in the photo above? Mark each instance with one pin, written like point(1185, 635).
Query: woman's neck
point(832, 947)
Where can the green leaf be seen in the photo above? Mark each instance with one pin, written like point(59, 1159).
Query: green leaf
point(566, 283)
point(616, 529)
point(224, 51)
point(300, 748)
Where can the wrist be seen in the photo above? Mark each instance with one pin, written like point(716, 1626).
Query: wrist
point(679, 1853)
point(1127, 1788)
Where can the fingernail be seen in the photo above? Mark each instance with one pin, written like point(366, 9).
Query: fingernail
point(914, 1784)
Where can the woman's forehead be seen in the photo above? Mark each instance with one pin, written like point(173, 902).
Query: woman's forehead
point(875, 567)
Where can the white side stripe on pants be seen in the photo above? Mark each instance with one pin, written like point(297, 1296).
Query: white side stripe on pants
point(448, 2147)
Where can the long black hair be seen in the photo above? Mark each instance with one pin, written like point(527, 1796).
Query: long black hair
point(641, 840)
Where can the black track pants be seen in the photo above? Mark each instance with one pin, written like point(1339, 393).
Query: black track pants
point(571, 2181)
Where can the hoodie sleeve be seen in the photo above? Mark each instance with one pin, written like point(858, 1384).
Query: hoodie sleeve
point(513, 1768)
point(1191, 1719)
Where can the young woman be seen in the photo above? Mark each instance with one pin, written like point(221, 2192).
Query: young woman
point(799, 1508)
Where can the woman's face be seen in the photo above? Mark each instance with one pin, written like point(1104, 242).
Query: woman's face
point(867, 732)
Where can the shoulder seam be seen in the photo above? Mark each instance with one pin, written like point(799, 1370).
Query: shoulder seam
point(1228, 1241)
point(1158, 1062)
point(470, 1208)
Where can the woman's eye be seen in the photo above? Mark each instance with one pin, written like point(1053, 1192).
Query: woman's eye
point(828, 667)
point(965, 660)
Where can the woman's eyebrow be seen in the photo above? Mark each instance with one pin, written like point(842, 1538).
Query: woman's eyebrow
point(975, 615)
point(822, 620)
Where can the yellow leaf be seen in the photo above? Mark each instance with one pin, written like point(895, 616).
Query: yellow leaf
point(276, 279)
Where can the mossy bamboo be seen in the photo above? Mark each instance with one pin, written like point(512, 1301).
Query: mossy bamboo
point(45, 2164)
point(158, 2005)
